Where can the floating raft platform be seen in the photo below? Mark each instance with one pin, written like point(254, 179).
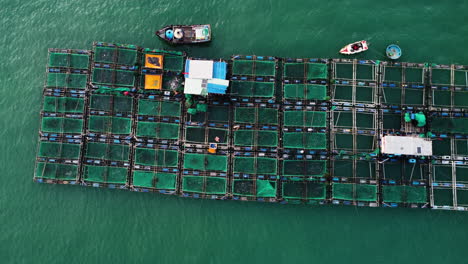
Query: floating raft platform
point(290, 130)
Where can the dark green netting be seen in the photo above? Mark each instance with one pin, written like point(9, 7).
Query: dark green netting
point(255, 165)
point(253, 115)
point(126, 57)
point(205, 162)
point(305, 91)
point(201, 134)
point(104, 174)
point(355, 192)
point(109, 124)
point(414, 96)
point(440, 76)
point(317, 71)
point(306, 140)
point(158, 180)
point(305, 118)
point(393, 74)
point(59, 150)
point(461, 146)
point(414, 75)
point(156, 157)
point(306, 70)
point(157, 130)
point(392, 121)
point(460, 99)
point(208, 185)
point(365, 94)
point(294, 70)
point(173, 63)
point(441, 98)
point(365, 169)
point(343, 119)
point(365, 120)
point(61, 125)
point(443, 197)
point(114, 103)
point(461, 78)
point(256, 138)
point(304, 190)
point(343, 168)
point(442, 173)
point(67, 80)
point(76, 61)
point(449, 125)
point(404, 194)
point(462, 197)
point(266, 188)
point(343, 141)
point(391, 95)
point(56, 171)
point(113, 77)
point(103, 151)
point(63, 104)
point(104, 54)
point(343, 93)
point(441, 147)
point(365, 72)
point(243, 187)
point(259, 188)
point(218, 113)
point(365, 142)
point(250, 67)
point(252, 89)
point(307, 168)
point(344, 71)
point(157, 108)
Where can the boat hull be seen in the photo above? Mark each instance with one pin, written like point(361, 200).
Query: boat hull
point(185, 34)
point(348, 49)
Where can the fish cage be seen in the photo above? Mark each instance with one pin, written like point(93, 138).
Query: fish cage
point(158, 120)
point(449, 185)
point(449, 87)
point(212, 126)
point(69, 59)
point(354, 82)
point(254, 176)
point(405, 182)
point(308, 191)
point(106, 162)
point(110, 114)
point(403, 84)
point(204, 174)
point(305, 81)
point(256, 127)
point(253, 78)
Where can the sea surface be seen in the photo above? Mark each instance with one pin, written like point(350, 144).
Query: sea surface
point(41, 223)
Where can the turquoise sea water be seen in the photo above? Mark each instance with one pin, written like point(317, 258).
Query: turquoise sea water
point(43, 223)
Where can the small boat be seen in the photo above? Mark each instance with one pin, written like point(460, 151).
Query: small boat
point(393, 52)
point(354, 48)
point(185, 34)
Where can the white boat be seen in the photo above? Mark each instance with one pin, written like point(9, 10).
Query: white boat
point(355, 47)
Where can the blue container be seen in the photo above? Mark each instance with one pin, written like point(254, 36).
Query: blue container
point(169, 34)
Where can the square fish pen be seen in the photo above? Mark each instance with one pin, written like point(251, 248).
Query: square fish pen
point(449, 87)
point(305, 81)
point(449, 135)
point(355, 180)
point(110, 115)
point(354, 82)
point(403, 84)
point(156, 168)
point(204, 174)
point(158, 120)
point(405, 182)
point(106, 162)
point(254, 176)
point(212, 126)
point(449, 185)
point(69, 59)
point(256, 127)
point(253, 78)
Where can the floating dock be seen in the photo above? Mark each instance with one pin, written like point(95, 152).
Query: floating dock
point(289, 130)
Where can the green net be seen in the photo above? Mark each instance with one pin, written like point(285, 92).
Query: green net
point(173, 63)
point(113, 77)
point(157, 108)
point(103, 151)
point(56, 171)
point(392, 121)
point(206, 135)
point(449, 125)
point(205, 162)
point(157, 130)
point(345, 119)
point(255, 165)
point(111, 103)
point(258, 188)
point(460, 98)
point(61, 125)
point(76, 61)
point(109, 124)
point(306, 140)
point(256, 138)
point(440, 76)
point(443, 197)
point(355, 192)
point(104, 174)
point(308, 168)
point(252, 89)
point(266, 188)
point(253, 115)
point(158, 180)
point(305, 118)
point(208, 185)
point(156, 157)
point(67, 80)
point(414, 96)
point(305, 92)
point(404, 194)
point(63, 104)
point(304, 190)
point(59, 150)
point(115, 55)
point(306, 70)
point(251, 67)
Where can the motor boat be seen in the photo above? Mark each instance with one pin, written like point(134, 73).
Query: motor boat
point(185, 34)
point(355, 47)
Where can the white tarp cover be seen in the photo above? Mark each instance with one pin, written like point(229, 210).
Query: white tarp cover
point(194, 86)
point(200, 69)
point(406, 145)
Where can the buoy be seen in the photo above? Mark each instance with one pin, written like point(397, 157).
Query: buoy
point(393, 52)
point(169, 34)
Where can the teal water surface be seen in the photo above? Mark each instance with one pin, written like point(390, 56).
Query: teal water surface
point(43, 223)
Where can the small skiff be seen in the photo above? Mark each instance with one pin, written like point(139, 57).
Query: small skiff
point(185, 34)
point(354, 48)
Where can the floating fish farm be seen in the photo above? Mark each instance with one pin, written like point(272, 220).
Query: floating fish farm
point(286, 130)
